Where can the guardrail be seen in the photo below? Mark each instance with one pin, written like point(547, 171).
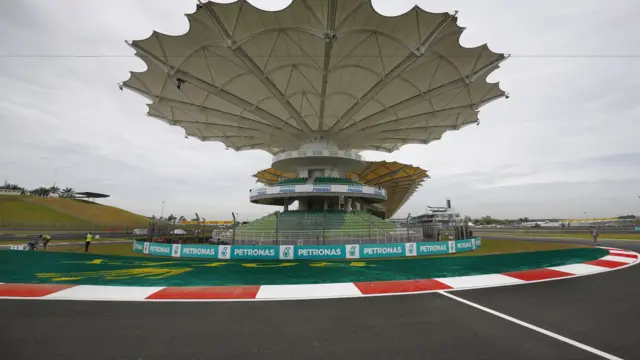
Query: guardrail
point(306, 252)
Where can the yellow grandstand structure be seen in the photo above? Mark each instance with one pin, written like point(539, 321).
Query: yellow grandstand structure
point(400, 180)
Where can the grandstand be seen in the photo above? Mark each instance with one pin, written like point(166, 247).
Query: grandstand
point(351, 222)
point(372, 83)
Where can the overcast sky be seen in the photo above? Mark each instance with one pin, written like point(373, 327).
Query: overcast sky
point(565, 143)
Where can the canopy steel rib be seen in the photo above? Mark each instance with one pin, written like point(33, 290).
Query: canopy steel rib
point(391, 75)
point(328, 46)
point(206, 111)
point(415, 100)
point(231, 43)
point(216, 91)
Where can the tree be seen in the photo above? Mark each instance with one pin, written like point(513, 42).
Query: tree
point(182, 218)
point(9, 186)
point(68, 193)
point(41, 191)
point(54, 189)
point(171, 217)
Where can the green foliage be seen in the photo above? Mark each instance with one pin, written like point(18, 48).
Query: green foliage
point(9, 186)
point(68, 193)
point(41, 191)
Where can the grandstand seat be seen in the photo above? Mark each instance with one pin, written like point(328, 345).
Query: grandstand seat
point(352, 222)
point(333, 180)
point(295, 181)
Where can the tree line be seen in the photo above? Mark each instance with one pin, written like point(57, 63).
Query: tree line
point(41, 191)
point(172, 218)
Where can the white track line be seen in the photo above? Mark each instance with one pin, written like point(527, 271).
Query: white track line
point(535, 328)
point(101, 292)
point(475, 281)
point(619, 259)
point(579, 269)
point(308, 291)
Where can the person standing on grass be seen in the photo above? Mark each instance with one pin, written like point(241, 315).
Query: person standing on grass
point(87, 242)
point(594, 234)
point(45, 240)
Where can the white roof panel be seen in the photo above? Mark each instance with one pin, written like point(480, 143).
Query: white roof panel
point(255, 79)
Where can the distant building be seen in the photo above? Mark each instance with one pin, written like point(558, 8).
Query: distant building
point(10, 192)
point(443, 219)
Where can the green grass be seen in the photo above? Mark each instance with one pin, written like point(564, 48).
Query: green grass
point(565, 235)
point(16, 209)
point(122, 249)
point(489, 246)
point(32, 211)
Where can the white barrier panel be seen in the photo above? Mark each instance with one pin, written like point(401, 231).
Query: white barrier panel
point(318, 188)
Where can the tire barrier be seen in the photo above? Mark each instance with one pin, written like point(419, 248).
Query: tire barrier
point(306, 252)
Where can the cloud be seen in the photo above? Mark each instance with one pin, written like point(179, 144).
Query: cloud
point(565, 143)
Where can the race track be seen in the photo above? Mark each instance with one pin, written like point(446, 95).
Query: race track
point(591, 317)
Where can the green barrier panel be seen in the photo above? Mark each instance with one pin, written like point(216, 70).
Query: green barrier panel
point(368, 251)
point(637, 228)
point(197, 251)
point(309, 252)
point(157, 249)
point(312, 252)
point(249, 252)
point(439, 248)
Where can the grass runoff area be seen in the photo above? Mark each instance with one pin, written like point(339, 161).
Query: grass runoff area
point(569, 235)
point(44, 211)
point(74, 267)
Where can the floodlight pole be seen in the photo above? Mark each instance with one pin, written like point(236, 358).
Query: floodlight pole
point(162, 210)
point(233, 234)
point(277, 226)
point(408, 217)
point(324, 226)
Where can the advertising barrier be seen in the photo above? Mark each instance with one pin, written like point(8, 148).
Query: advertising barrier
point(319, 252)
point(158, 249)
point(250, 252)
point(307, 252)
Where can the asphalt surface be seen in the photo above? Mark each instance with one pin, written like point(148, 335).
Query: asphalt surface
point(600, 311)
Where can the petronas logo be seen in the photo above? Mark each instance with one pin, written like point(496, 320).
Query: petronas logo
point(352, 251)
point(224, 251)
point(411, 248)
point(287, 252)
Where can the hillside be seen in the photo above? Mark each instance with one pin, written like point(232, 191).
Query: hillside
point(32, 211)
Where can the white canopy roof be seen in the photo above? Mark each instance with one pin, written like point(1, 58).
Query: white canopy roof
point(254, 79)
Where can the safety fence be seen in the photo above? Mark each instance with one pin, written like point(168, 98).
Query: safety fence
point(306, 252)
point(320, 237)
